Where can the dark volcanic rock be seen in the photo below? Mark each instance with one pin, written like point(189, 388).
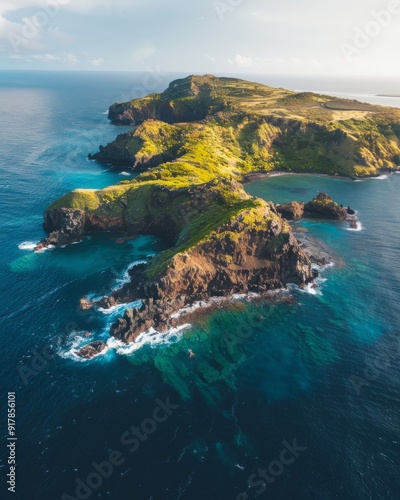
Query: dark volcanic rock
point(353, 223)
point(237, 260)
point(92, 350)
point(350, 211)
point(67, 226)
point(199, 94)
point(323, 206)
point(119, 154)
point(291, 211)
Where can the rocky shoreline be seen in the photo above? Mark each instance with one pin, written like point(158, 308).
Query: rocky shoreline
point(256, 261)
point(196, 145)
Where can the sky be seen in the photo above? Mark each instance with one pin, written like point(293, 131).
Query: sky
point(299, 37)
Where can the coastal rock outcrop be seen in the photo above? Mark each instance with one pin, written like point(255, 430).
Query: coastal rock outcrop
point(68, 226)
point(148, 146)
point(92, 350)
point(255, 252)
point(185, 100)
point(291, 211)
point(323, 206)
point(65, 226)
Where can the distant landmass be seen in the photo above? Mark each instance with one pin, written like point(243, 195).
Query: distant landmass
point(195, 145)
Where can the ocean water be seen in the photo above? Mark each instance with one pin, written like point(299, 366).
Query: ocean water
point(320, 371)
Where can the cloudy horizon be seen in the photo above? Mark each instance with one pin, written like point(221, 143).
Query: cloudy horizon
point(207, 36)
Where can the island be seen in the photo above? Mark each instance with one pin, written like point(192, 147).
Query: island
point(195, 146)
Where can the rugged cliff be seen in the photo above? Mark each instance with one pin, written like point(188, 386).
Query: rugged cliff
point(195, 144)
point(255, 251)
point(255, 127)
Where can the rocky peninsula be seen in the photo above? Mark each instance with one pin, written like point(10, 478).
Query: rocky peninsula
point(195, 144)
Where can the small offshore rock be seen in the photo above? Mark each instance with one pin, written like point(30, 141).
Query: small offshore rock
point(92, 350)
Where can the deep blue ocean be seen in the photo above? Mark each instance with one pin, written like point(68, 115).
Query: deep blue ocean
point(309, 409)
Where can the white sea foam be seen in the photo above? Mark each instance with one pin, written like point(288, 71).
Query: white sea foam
point(118, 282)
point(74, 243)
point(120, 308)
point(46, 249)
point(27, 245)
point(152, 338)
point(198, 305)
point(380, 177)
point(126, 278)
point(76, 342)
point(279, 174)
point(321, 269)
point(360, 227)
point(213, 301)
point(314, 288)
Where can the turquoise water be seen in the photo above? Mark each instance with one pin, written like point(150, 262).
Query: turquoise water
point(322, 370)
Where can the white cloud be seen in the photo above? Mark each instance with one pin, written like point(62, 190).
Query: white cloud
point(66, 57)
point(70, 58)
point(143, 52)
point(286, 37)
point(244, 61)
point(97, 61)
point(59, 36)
point(275, 64)
point(46, 57)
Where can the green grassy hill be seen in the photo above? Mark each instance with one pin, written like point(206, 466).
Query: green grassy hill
point(195, 142)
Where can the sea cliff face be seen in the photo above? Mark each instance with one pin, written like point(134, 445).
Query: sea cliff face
point(254, 252)
point(196, 143)
point(269, 128)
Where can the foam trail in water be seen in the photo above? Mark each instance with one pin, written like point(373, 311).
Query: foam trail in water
point(120, 309)
point(46, 249)
point(76, 341)
point(314, 288)
point(118, 283)
point(126, 278)
point(27, 245)
point(215, 301)
point(380, 177)
point(359, 227)
point(152, 338)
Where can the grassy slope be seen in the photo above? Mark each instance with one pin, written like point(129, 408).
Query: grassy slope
point(246, 127)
